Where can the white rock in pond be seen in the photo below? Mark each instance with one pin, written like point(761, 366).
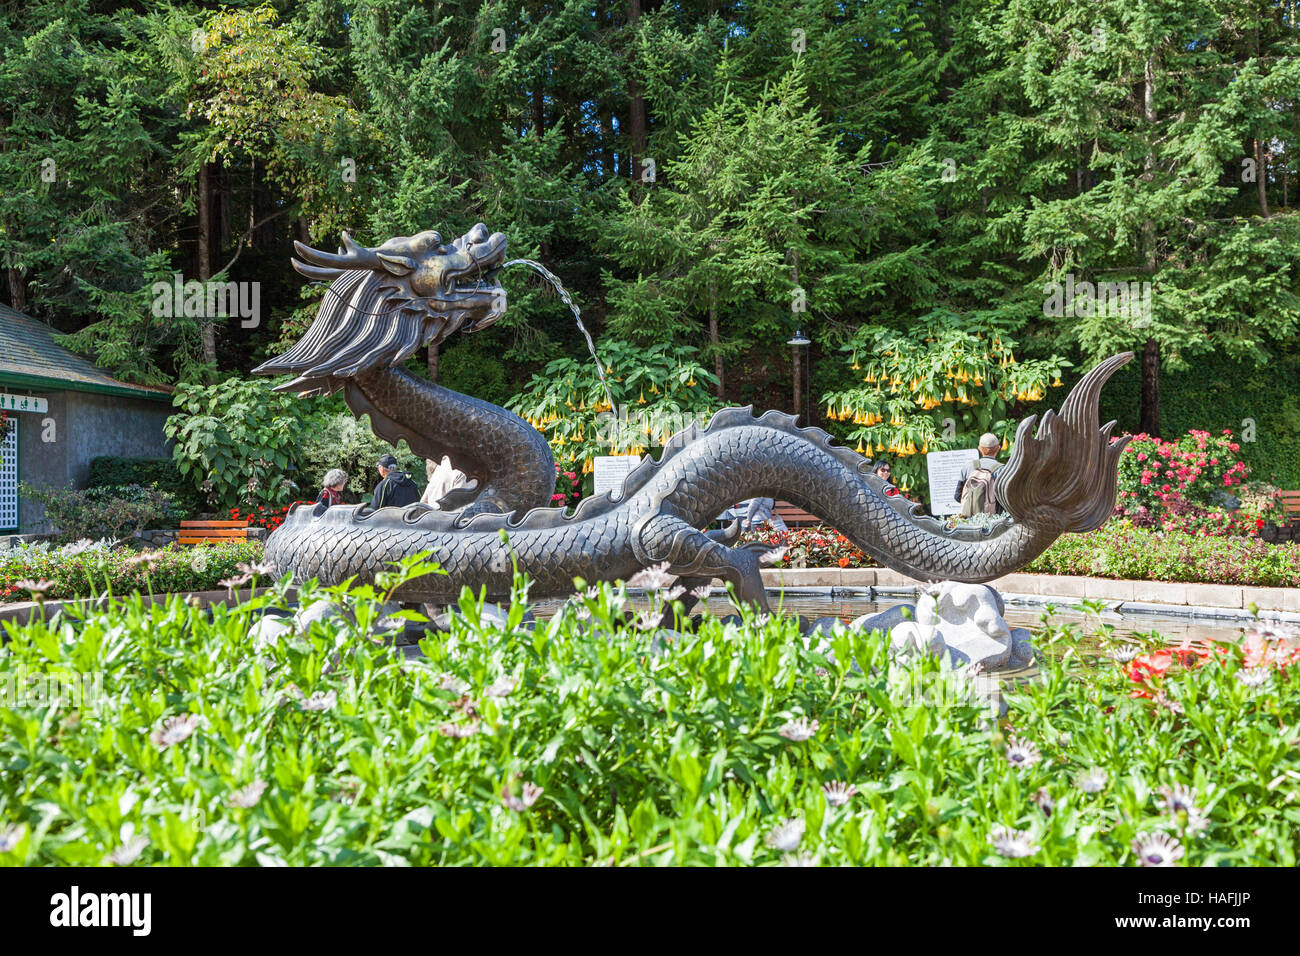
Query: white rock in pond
point(886, 620)
point(267, 631)
point(494, 615)
point(963, 622)
point(1022, 649)
point(314, 612)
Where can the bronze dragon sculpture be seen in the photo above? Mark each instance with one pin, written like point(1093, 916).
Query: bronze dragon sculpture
point(384, 303)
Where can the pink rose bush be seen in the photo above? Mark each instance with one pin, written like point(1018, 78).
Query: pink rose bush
point(1184, 485)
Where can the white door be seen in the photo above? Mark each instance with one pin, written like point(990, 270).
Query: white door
point(9, 478)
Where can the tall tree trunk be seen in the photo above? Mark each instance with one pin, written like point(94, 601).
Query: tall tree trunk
point(539, 111)
point(18, 288)
point(432, 353)
point(1261, 178)
point(1150, 419)
point(715, 338)
point(225, 214)
point(1149, 408)
point(636, 121)
point(206, 177)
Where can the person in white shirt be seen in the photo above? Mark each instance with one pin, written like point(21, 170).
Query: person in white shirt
point(442, 477)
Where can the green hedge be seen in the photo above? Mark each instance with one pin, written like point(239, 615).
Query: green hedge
point(108, 471)
point(93, 572)
point(1119, 550)
point(1217, 393)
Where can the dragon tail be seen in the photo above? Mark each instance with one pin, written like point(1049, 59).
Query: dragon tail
point(1065, 477)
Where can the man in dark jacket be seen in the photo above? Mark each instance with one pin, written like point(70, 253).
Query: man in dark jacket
point(395, 488)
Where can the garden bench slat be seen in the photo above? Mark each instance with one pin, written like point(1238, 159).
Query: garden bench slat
point(199, 532)
point(793, 515)
point(1290, 504)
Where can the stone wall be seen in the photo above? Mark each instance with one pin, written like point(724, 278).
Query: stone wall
point(85, 425)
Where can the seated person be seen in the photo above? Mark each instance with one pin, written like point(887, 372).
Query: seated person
point(760, 513)
point(442, 478)
point(395, 488)
point(331, 492)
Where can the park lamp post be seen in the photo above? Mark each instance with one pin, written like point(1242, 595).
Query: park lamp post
point(800, 341)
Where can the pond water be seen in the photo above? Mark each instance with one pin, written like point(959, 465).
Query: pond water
point(1090, 649)
point(1172, 627)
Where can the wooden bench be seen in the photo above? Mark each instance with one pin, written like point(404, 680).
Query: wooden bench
point(1290, 501)
point(205, 532)
point(794, 517)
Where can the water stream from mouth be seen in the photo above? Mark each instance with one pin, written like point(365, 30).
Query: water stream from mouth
point(554, 280)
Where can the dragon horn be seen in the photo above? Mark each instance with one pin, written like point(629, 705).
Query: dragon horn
point(1065, 477)
point(352, 256)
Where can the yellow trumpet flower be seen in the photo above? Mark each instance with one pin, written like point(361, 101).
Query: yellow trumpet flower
point(641, 400)
point(859, 448)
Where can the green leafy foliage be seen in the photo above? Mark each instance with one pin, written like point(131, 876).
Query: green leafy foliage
point(341, 440)
point(1120, 550)
point(109, 511)
point(163, 474)
point(582, 741)
point(75, 571)
point(237, 440)
point(936, 387)
point(657, 391)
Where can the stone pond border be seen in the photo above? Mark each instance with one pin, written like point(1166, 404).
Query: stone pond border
point(1150, 597)
point(1164, 597)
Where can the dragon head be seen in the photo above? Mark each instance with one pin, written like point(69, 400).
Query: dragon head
point(385, 302)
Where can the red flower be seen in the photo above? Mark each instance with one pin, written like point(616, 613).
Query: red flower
point(1150, 665)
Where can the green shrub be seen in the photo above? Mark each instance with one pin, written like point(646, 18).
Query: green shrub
point(237, 441)
point(108, 471)
point(581, 743)
point(92, 571)
point(103, 512)
point(341, 440)
point(1120, 550)
point(467, 368)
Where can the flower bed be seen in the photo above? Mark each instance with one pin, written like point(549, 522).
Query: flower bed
point(582, 745)
point(812, 548)
point(1188, 485)
point(1116, 550)
point(1119, 550)
point(70, 573)
point(264, 516)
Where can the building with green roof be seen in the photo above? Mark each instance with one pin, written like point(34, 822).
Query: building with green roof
point(63, 411)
